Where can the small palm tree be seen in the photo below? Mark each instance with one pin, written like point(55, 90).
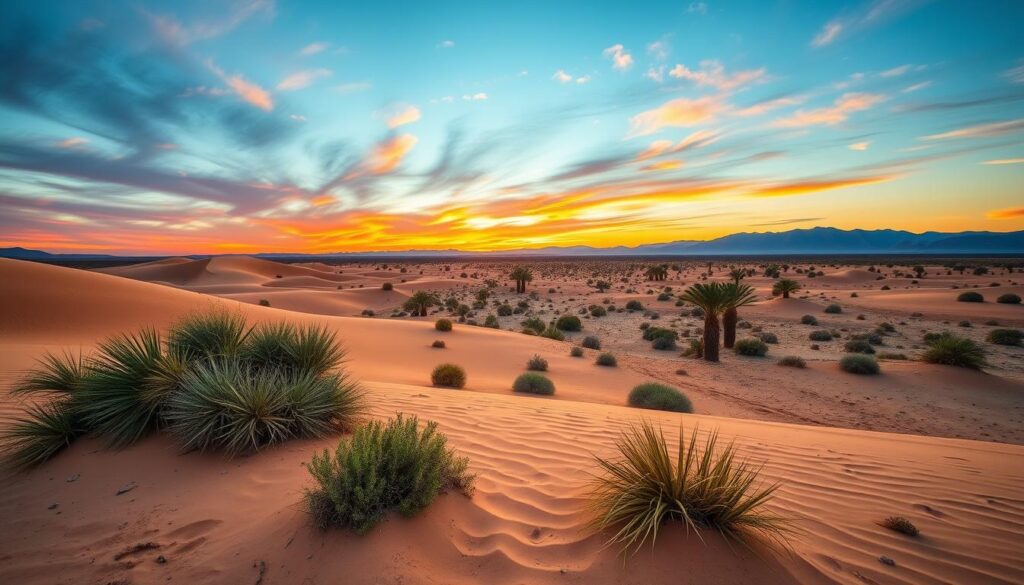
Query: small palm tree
point(784, 286)
point(419, 302)
point(522, 275)
point(737, 274)
point(659, 272)
point(713, 298)
point(738, 295)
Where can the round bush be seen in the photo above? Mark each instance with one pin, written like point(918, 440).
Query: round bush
point(768, 337)
point(443, 325)
point(833, 309)
point(858, 346)
point(532, 383)
point(859, 364)
point(793, 361)
point(537, 364)
point(387, 286)
point(634, 305)
point(1009, 299)
point(820, 335)
point(438, 344)
point(505, 310)
point(449, 375)
point(606, 359)
point(591, 342)
point(751, 347)
point(659, 397)
point(663, 343)
point(597, 311)
point(809, 320)
point(568, 323)
point(971, 297)
point(1005, 336)
point(953, 350)
point(264, 303)
point(576, 351)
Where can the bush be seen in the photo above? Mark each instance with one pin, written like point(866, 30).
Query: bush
point(386, 466)
point(663, 343)
point(449, 375)
point(652, 333)
point(576, 351)
point(695, 350)
point(597, 311)
point(634, 305)
point(491, 322)
point(387, 286)
point(971, 297)
point(820, 335)
point(568, 323)
point(953, 350)
point(900, 524)
point(591, 342)
point(1005, 336)
point(205, 335)
point(533, 325)
point(751, 347)
point(537, 364)
point(1009, 299)
point(885, 355)
point(659, 397)
point(532, 383)
point(505, 310)
point(438, 343)
point(768, 337)
point(833, 309)
point(792, 361)
point(606, 359)
point(859, 364)
point(809, 320)
point(443, 325)
point(650, 484)
point(264, 303)
point(858, 346)
point(281, 346)
point(553, 333)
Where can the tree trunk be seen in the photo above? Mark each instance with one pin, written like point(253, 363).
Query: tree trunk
point(785, 294)
point(729, 319)
point(711, 334)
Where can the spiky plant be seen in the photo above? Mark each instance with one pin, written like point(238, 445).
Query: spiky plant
point(386, 466)
point(700, 487)
point(208, 335)
point(522, 275)
point(712, 298)
point(112, 398)
point(420, 302)
point(659, 272)
point(312, 349)
point(953, 350)
point(737, 274)
point(784, 287)
point(40, 433)
point(738, 295)
point(54, 374)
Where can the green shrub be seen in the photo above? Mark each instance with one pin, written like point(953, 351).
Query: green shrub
point(953, 350)
point(793, 361)
point(809, 320)
point(264, 303)
point(885, 355)
point(387, 286)
point(386, 466)
point(591, 342)
point(491, 322)
point(206, 335)
point(1009, 299)
point(1005, 336)
point(663, 343)
point(44, 430)
point(533, 324)
point(308, 348)
point(833, 309)
point(652, 333)
point(553, 333)
point(597, 311)
point(533, 383)
point(649, 484)
point(443, 325)
point(767, 337)
point(659, 397)
point(576, 351)
point(695, 350)
point(858, 346)
point(449, 375)
point(820, 335)
point(859, 364)
point(606, 359)
point(634, 305)
point(751, 347)
point(537, 364)
point(568, 323)
point(971, 297)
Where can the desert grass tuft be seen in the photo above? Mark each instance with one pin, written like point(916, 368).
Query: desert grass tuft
point(208, 335)
point(42, 432)
point(953, 350)
point(900, 524)
point(657, 396)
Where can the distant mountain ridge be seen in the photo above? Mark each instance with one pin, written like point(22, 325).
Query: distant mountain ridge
point(819, 240)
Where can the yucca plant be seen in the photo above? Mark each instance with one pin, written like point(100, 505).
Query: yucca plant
point(713, 299)
point(310, 349)
point(737, 295)
point(700, 487)
point(785, 287)
point(112, 399)
point(43, 431)
point(395, 465)
point(208, 335)
point(737, 274)
point(56, 374)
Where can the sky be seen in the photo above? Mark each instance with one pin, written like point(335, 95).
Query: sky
point(242, 126)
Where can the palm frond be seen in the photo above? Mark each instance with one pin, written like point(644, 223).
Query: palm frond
point(58, 374)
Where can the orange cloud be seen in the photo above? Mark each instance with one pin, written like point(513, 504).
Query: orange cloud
point(248, 91)
point(301, 79)
point(712, 73)
point(388, 154)
point(679, 112)
point(838, 112)
point(1011, 213)
point(809, 187)
point(981, 131)
point(72, 142)
point(664, 165)
point(405, 115)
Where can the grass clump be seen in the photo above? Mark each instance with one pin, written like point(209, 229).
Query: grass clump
point(606, 359)
point(659, 397)
point(1005, 336)
point(900, 524)
point(809, 320)
point(553, 333)
point(793, 361)
point(568, 323)
point(397, 465)
point(591, 342)
point(859, 364)
point(886, 355)
point(533, 383)
point(700, 486)
point(443, 325)
point(971, 297)
point(820, 335)
point(953, 350)
point(751, 347)
point(859, 346)
point(448, 375)
point(537, 364)
point(576, 351)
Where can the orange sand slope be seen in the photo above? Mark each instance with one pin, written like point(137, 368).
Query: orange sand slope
point(225, 521)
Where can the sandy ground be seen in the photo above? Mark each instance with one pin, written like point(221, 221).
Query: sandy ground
point(237, 521)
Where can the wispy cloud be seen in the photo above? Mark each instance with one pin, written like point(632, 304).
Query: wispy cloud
point(769, 105)
point(981, 130)
point(830, 116)
point(917, 87)
point(353, 87)
point(712, 73)
point(812, 186)
point(860, 145)
point(247, 90)
point(697, 8)
point(446, 44)
point(73, 142)
point(175, 32)
point(871, 14)
point(561, 76)
point(1012, 213)
point(403, 115)
point(680, 112)
point(827, 34)
point(314, 48)
point(388, 154)
point(621, 59)
point(475, 97)
point(302, 79)
point(1004, 161)
point(1015, 74)
point(896, 71)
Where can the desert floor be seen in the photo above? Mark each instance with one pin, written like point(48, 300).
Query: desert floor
point(939, 445)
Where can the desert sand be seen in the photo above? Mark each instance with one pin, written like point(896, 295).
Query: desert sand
point(218, 520)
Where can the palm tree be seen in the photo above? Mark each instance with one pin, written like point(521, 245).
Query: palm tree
point(522, 275)
point(419, 302)
point(659, 272)
point(713, 298)
point(737, 274)
point(738, 295)
point(784, 286)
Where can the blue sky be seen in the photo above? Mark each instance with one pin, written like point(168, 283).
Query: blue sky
point(255, 125)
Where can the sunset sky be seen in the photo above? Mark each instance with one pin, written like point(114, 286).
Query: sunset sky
point(261, 126)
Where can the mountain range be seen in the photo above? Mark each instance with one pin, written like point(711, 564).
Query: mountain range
point(819, 240)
